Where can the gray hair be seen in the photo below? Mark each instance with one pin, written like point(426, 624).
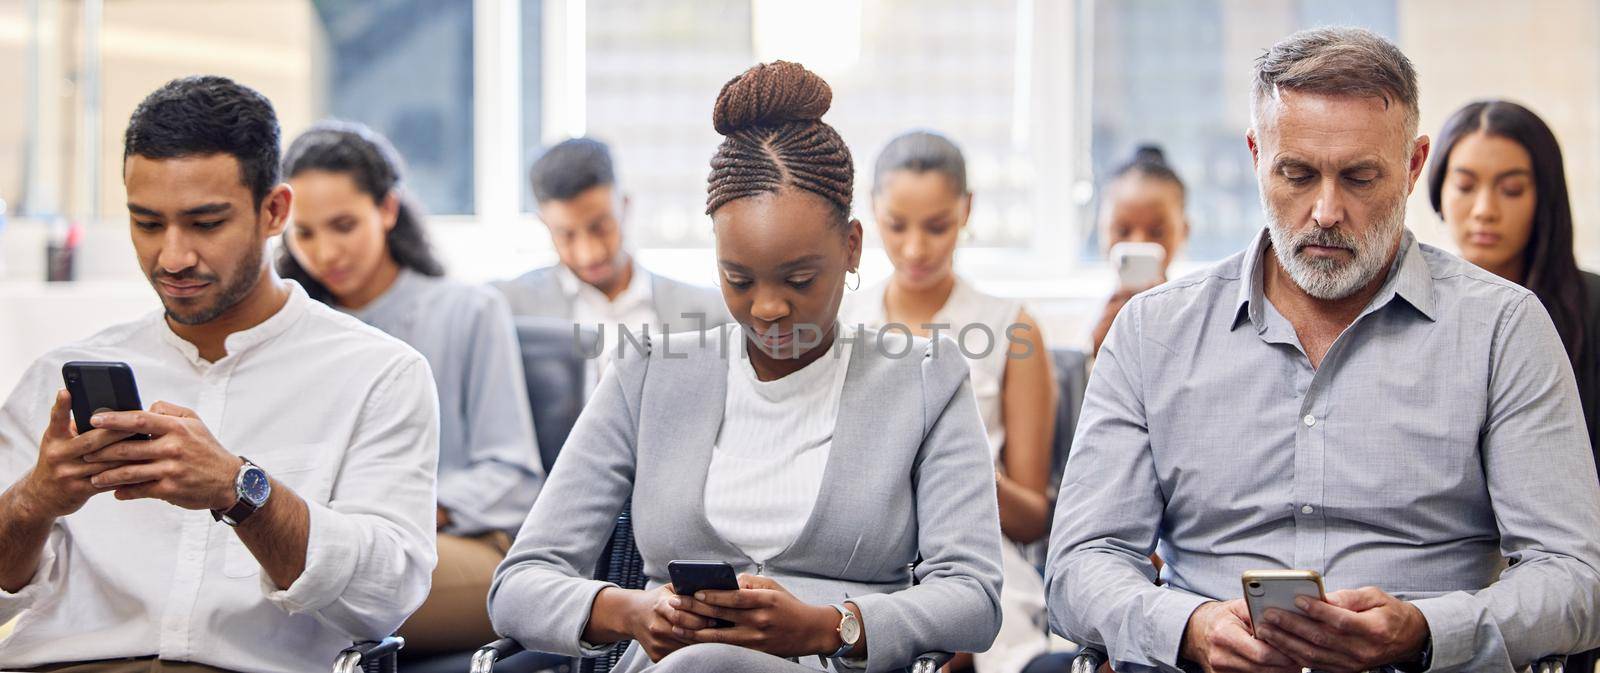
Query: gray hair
point(1338, 61)
point(921, 151)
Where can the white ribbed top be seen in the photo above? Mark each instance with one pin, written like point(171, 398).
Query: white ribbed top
point(771, 451)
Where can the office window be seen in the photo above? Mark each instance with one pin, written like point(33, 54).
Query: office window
point(959, 67)
point(404, 67)
point(1177, 74)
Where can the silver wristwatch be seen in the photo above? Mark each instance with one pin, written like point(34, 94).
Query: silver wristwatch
point(849, 630)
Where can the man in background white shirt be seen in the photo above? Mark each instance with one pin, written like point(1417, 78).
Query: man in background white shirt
point(192, 564)
point(598, 284)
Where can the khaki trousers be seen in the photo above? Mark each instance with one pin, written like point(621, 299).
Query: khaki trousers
point(147, 665)
point(455, 616)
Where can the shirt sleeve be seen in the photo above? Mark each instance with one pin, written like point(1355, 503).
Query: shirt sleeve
point(503, 476)
point(955, 605)
point(1546, 498)
point(22, 423)
point(1099, 580)
point(542, 594)
point(371, 552)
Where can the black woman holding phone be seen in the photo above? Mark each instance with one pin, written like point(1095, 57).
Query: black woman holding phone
point(818, 460)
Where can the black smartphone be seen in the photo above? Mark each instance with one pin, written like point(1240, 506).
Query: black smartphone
point(100, 386)
point(689, 577)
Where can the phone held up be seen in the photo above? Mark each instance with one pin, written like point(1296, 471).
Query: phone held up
point(100, 386)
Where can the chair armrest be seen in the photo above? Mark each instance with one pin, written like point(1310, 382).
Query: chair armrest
point(484, 659)
point(357, 656)
point(929, 662)
point(1551, 664)
point(1089, 660)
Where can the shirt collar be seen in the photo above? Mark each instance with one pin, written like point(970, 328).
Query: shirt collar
point(244, 340)
point(638, 289)
point(1409, 279)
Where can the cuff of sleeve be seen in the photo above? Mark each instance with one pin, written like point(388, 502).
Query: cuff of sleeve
point(332, 551)
point(587, 649)
point(41, 586)
point(1452, 623)
point(1169, 614)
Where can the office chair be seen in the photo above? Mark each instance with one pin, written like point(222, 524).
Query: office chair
point(621, 564)
point(370, 657)
point(554, 357)
point(1090, 659)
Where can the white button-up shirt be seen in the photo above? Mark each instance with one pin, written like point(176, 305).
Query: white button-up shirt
point(633, 310)
point(340, 413)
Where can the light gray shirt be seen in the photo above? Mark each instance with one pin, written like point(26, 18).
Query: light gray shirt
point(1440, 439)
point(489, 468)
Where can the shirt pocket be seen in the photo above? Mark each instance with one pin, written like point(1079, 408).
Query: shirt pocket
point(296, 468)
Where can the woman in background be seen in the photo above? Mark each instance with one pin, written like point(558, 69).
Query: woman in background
point(921, 203)
point(1498, 181)
point(355, 243)
point(1143, 203)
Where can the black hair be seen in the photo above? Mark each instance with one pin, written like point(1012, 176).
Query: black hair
point(1551, 270)
point(376, 168)
point(1150, 162)
point(570, 168)
point(207, 114)
point(922, 151)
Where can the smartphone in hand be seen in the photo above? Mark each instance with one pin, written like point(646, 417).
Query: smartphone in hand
point(100, 386)
point(689, 577)
point(1277, 589)
point(1138, 265)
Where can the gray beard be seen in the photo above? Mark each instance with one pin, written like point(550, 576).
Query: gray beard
point(1328, 279)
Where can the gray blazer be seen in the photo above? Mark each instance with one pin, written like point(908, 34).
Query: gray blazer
point(908, 476)
point(538, 293)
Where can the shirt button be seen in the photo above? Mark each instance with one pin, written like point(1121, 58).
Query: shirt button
point(1310, 420)
point(1307, 509)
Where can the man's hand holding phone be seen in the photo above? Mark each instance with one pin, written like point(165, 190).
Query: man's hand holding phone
point(61, 481)
point(1218, 638)
point(181, 463)
point(1353, 630)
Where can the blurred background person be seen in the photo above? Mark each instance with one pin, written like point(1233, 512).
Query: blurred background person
point(1499, 182)
point(921, 203)
point(1143, 203)
point(357, 243)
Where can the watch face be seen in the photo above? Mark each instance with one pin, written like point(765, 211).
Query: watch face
point(850, 631)
point(254, 486)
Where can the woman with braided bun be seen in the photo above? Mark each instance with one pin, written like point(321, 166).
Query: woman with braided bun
point(844, 473)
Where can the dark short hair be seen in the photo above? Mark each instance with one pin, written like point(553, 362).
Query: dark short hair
point(570, 168)
point(1338, 61)
point(207, 114)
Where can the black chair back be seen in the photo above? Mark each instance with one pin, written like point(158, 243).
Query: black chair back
point(554, 355)
point(1072, 376)
point(620, 564)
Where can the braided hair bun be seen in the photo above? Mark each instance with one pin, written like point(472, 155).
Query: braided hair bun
point(770, 94)
point(774, 137)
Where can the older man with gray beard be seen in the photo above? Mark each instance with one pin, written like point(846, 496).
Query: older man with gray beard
point(1337, 398)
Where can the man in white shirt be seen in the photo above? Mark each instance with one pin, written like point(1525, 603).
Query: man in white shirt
point(598, 284)
point(202, 559)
